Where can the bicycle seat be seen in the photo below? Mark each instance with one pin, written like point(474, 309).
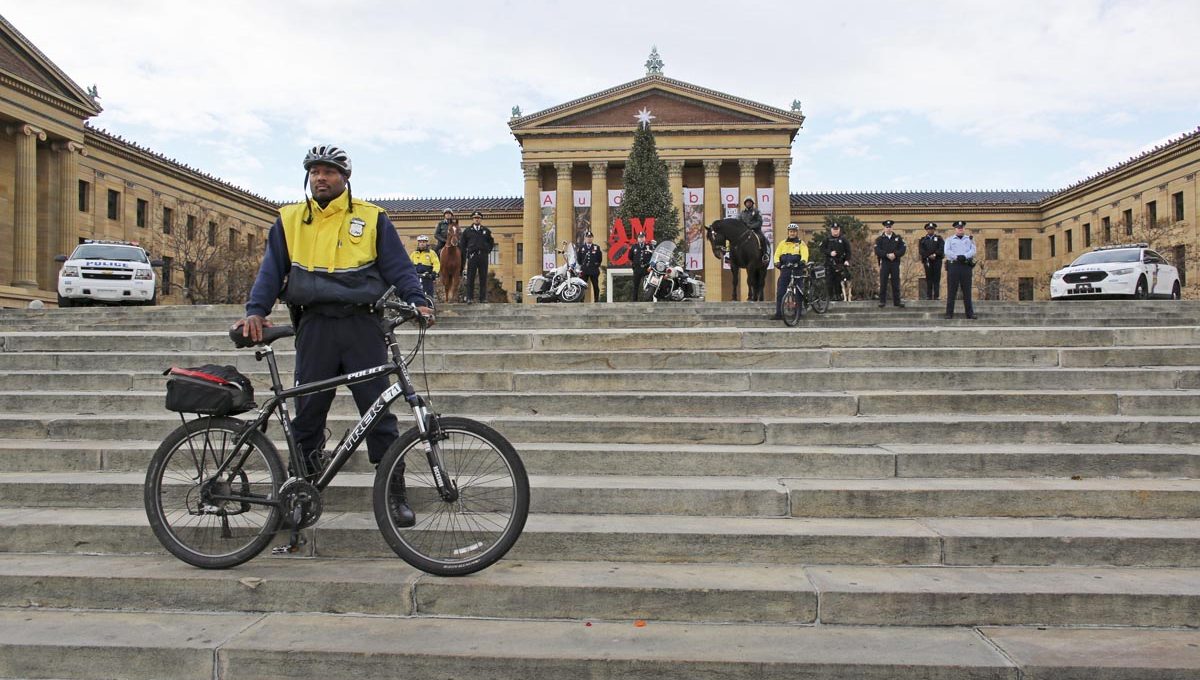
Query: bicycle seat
point(270, 334)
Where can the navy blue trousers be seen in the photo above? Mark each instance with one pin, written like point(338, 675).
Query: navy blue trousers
point(327, 347)
point(477, 268)
point(785, 278)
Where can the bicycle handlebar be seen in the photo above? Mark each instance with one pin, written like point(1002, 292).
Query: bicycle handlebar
point(407, 310)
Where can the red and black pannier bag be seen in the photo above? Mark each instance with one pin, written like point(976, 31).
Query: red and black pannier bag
point(209, 390)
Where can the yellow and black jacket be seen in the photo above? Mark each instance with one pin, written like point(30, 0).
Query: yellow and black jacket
point(425, 261)
point(791, 253)
point(341, 257)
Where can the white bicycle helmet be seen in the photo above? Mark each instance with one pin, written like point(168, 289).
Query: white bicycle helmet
point(328, 154)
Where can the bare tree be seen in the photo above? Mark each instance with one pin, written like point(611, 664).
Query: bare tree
point(215, 270)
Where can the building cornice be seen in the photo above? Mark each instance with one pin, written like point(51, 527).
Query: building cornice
point(83, 104)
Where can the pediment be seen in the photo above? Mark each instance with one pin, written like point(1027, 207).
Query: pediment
point(21, 59)
point(673, 103)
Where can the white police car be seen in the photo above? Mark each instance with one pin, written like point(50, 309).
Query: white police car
point(107, 271)
point(1131, 269)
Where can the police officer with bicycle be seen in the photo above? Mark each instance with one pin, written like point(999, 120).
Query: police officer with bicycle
point(337, 256)
point(427, 264)
point(790, 257)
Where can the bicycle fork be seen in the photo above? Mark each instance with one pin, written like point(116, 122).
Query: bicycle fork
point(430, 427)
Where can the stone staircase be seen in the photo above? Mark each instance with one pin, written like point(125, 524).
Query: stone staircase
point(876, 494)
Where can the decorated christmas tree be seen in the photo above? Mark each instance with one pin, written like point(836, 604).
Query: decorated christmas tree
point(647, 191)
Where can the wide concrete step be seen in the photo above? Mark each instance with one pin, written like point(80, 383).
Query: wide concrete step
point(880, 360)
point(734, 429)
point(162, 645)
point(713, 593)
point(831, 462)
point(718, 496)
point(681, 539)
point(555, 340)
point(651, 399)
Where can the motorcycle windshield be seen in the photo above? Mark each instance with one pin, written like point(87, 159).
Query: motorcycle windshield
point(663, 254)
point(569, 255)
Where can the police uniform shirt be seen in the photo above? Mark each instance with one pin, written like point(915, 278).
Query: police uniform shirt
point(890, 244)
point(477, 239)
point(589, 257)
point(639, 257)
point(839, 244)
point(931, 245)
point(959, 245)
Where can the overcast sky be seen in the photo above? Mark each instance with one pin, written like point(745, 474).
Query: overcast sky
point(935, 94)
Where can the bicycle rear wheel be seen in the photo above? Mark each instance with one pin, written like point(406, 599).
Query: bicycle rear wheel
point(178, 494)
point(471, 532)
point(792, 308)
point(818, 294)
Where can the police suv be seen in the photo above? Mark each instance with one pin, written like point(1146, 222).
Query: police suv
point(116, 272)
point(1132, 270)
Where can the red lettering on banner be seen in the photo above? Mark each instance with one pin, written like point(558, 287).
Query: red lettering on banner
point(620, 241)
point(693, 197)
point(549, 200)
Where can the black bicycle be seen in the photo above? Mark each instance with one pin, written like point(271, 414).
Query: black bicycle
point(216, 491)
point(806, 288)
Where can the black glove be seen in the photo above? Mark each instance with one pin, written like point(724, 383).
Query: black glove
point(961, 259)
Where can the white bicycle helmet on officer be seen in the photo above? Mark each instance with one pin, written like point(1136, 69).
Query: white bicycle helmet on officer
point(331, 155)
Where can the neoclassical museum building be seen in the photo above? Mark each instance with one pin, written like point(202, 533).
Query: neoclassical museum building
point(62, 180)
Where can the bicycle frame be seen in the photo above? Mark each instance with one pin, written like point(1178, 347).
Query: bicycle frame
point(277, 405)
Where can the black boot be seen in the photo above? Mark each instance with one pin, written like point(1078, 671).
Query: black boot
point(398, 506)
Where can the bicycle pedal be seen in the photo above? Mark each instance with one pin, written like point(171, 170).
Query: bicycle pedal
point(288, 548)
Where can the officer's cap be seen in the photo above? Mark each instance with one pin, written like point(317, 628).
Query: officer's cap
point(422, 237)
point(588, 235)
point(641, 234)
point(888, 223)
point(931, 225)
point(835, 225)
point(447, 211)
point(959, 223)
point(476, 214)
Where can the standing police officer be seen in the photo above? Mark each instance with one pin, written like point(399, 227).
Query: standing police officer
point(337, 256)
point(427, 264)
point(477, 244)
point(932, 249)
point(639, 262)
point(889, 248)
point(790, 257)
point(590, 259)
point(836, 249)
point(960, 263)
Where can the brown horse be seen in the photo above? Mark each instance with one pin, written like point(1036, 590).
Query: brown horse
point(451, 259)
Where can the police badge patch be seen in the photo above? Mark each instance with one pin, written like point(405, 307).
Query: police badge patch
point(356, 227)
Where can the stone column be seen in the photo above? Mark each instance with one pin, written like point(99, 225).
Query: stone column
point(747, 188)
point(564, 212)
point(600, 212)
point(25, 213)
point(675, 181)
point(68, 195)
point(531, 233)
point(783, 213)
point(713, 273)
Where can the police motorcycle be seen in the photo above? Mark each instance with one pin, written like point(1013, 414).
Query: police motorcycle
point(563, 284)
point(667, 280)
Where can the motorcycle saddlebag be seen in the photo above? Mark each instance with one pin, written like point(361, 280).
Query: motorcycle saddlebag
point(538, 285)
point(209, 390)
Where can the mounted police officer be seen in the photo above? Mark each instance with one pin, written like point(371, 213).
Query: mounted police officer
point(836, 249)
point(790, 259)
point(639, 262)
point(889, 248)
point(477, 244)
point(337, 257)
point(752, 218)
point(590, 259)
point(427, 264)
point(932, 249)
point(442, 232)
point(960, 263)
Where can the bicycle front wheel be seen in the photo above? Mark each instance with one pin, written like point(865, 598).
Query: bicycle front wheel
point(791, 307)
point(470, 532)
point(818, 293)
point(187, 505)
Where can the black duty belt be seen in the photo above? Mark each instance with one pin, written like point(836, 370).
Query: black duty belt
point(337, 310)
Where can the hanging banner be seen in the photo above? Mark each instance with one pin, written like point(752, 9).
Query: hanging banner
point(582, 205)
point(693, 228)
point(732, 201)
point(548, 201)
point(766, 206)
point(614, 202)
point(731, 206)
